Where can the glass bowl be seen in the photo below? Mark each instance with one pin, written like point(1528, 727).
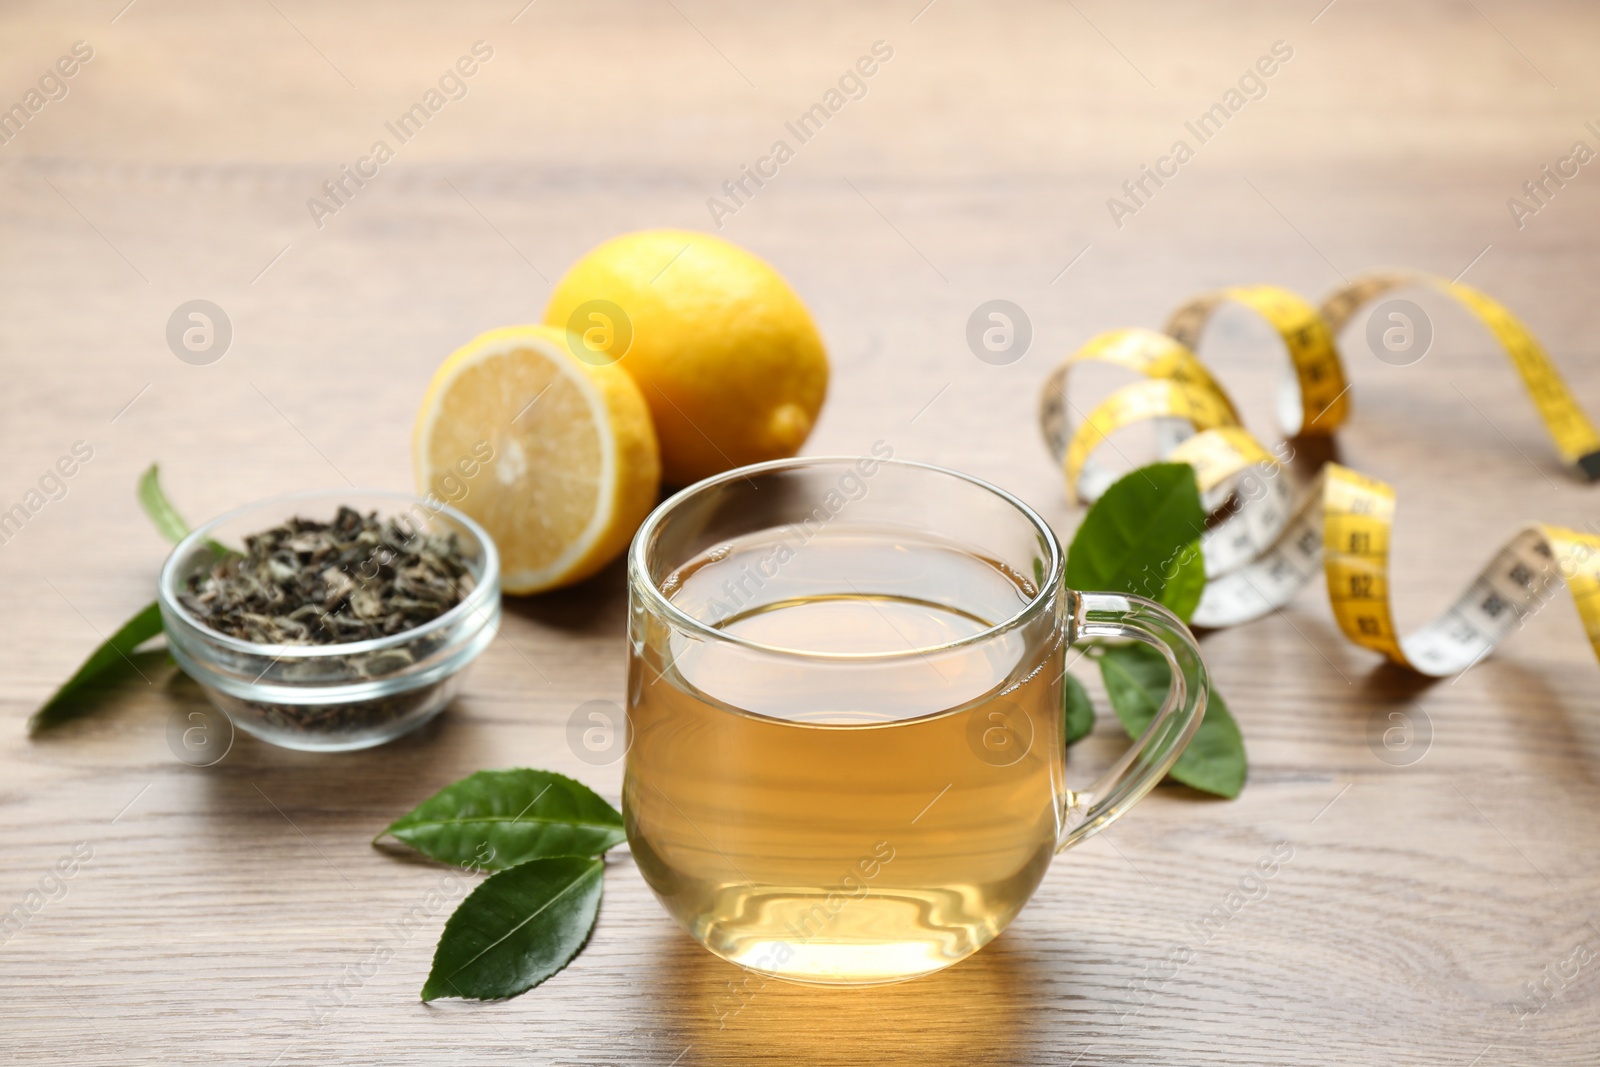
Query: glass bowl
point(333, 698)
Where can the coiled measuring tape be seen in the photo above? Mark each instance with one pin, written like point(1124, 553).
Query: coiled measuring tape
point(1269, 537)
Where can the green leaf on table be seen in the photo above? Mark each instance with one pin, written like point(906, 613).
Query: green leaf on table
point(518, 928)
point(166, 518)
point(156, 505)
point(110, 661)
point(498, 819)
point(1136, 678)
point(1134, 538)
point(1079, 711)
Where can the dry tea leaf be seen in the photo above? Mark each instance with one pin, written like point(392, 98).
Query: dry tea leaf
point(322, 583)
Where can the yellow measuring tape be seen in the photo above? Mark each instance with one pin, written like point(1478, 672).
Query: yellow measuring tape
point(1270, 537)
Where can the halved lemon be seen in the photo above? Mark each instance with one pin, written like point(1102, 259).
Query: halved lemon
point(555, 457)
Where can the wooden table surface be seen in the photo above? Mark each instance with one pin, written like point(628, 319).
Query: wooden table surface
point(1421, 901)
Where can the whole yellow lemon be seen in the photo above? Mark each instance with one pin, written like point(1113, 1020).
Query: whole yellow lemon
point(726, 355)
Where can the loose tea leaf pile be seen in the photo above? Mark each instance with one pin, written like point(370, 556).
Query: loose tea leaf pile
point(320, 583)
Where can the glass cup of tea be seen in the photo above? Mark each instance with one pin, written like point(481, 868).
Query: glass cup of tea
point(847, 762)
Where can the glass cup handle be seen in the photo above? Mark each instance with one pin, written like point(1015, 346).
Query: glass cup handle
point(1152, 756)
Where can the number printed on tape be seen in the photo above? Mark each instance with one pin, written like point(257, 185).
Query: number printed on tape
point(1266, 545)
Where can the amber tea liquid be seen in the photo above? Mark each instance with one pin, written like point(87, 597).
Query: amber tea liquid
point(870, 822)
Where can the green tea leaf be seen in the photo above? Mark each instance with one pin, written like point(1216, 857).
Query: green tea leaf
point(110, 661)
point(1136, 678)
point(1134, 537)
point(1182, 591)
point(156, 505)
point(1079, 710)
point(166, 518)
point(518, 928)
point(498, 819)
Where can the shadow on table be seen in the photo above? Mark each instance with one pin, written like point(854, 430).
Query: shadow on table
point(596, 606)
point(978, 1011)
point(1392, 695)
point(393, 776)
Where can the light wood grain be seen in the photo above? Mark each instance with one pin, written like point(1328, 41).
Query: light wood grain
point(219, 902)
